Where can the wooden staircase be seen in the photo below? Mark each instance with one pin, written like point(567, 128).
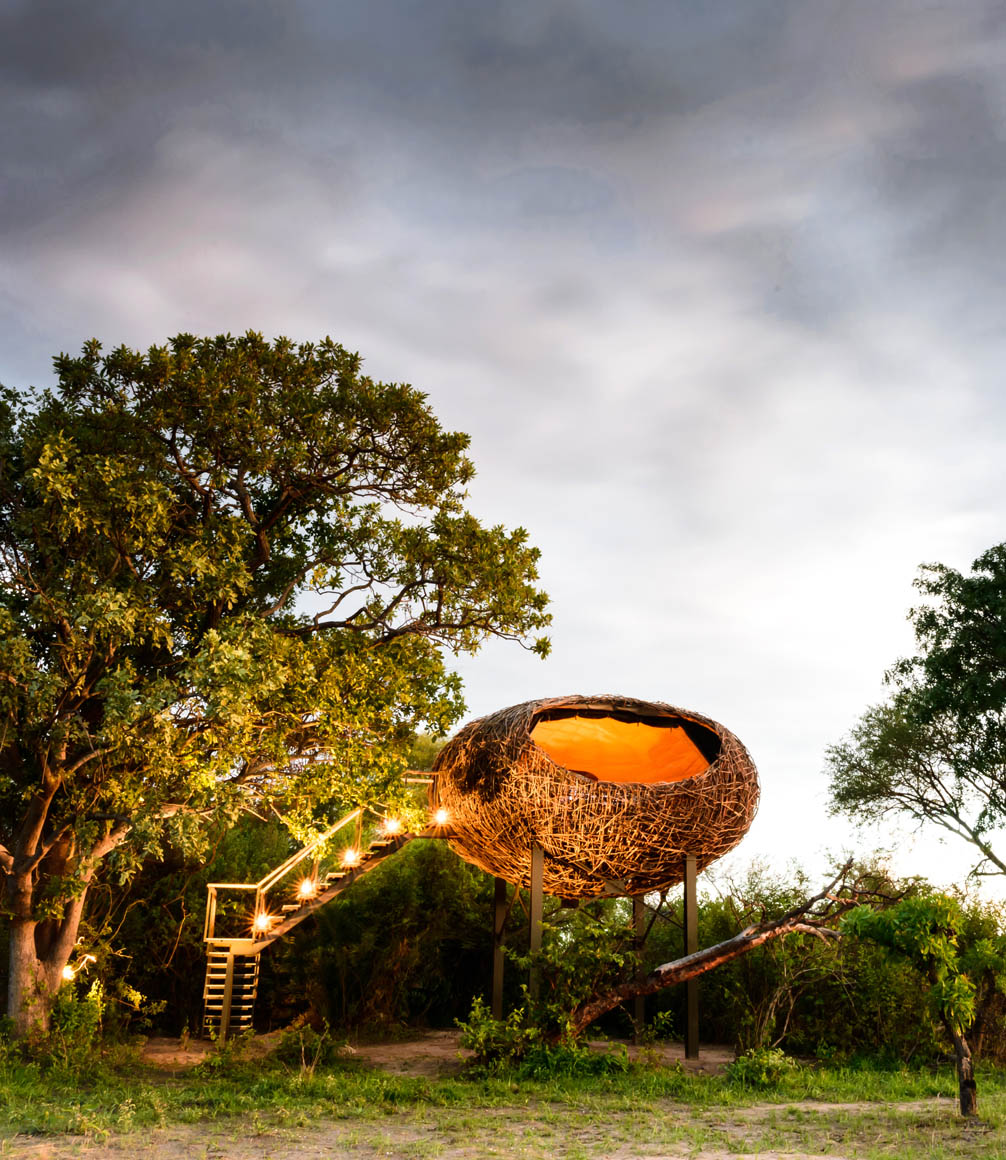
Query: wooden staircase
point(232, 959)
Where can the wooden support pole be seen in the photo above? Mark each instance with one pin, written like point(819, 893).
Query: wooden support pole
point(536, 907)
point(639, 932)
point(225, 1006)
point(499, 921)
point(691, 917)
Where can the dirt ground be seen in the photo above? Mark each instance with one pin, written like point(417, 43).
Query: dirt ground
point(434, 1053)
point(523, 1130)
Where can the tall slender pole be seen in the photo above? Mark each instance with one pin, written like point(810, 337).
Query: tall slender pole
point(639, 932)
point(499, 921)
point(691, 917)
point(537, 903)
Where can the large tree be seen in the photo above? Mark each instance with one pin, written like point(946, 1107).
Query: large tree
point(229, 568)
point(935, 751)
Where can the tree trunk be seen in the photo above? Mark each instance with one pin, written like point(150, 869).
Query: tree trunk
point(32, 984)
point(39, 950)
point(967, 1089)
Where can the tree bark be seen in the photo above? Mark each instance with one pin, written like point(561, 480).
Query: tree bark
point(32, 983)
point(41, 948)
point(967, 1089)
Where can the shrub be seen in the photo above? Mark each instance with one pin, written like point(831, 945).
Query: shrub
point(761, 1068)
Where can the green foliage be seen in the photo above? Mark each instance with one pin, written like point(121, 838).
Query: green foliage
point(962, 634)
point(585, 951)
point(306, 1048)
point(228, 568)
point(762, 1068)
point(925, 929)
point(498, 1044)
point(518, 1048)
point(147, 933)
point(76, 1024)
point(831, 999)
point(935, 751)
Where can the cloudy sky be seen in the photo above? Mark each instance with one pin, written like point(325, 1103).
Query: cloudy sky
point(715, 289)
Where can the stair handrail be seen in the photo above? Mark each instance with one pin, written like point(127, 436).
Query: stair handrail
point(284, 868)
point(264, 885)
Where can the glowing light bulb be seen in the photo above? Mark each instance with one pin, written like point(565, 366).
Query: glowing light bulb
point(263, 921)
point(307, 888)
point(441, 816)
point(68, 972)
point(350, 857)
point(392, 826)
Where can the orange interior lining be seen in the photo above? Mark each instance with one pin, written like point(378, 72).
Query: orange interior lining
point(613, 750)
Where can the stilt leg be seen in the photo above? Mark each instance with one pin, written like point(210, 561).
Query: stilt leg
point(639, 930)
point(499, 921)
point(536, 908)
point(691, 946)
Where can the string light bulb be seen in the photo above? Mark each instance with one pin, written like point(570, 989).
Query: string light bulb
point(262, 921)
point(307, 888)
point(351, 857)
point(392, 825)
point(441, 816)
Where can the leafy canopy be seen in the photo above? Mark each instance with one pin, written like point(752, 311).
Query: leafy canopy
point(936, 750)
point(228, 569)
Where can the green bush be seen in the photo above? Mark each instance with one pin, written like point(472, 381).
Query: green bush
point(303, 1047)
point(498, 1044)
point(515, 1047)
point(762, 1068)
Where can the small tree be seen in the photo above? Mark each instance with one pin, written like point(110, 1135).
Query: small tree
point(228, 568)
point(925, 929)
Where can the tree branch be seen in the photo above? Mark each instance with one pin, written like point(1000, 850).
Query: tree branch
point(690, 966)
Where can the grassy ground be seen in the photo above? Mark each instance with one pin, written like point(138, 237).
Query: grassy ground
point(240, 1109)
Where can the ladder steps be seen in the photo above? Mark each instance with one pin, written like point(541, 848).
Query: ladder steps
point(244, 986)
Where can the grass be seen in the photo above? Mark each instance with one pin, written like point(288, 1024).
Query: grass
point(855, 1112)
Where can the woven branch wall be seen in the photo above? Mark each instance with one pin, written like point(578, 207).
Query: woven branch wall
point(504, 792)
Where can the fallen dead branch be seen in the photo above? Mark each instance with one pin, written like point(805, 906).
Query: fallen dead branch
point(815, 915)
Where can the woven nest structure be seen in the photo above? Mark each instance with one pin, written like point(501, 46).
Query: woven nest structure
point(616, 792)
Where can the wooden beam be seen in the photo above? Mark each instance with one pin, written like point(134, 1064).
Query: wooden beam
point(639, 933)
point(500, 911)
point(537, 902)
point(225, 1006)
point(691, 917)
